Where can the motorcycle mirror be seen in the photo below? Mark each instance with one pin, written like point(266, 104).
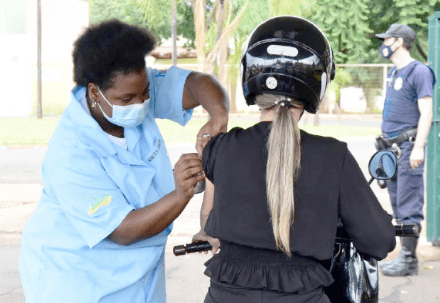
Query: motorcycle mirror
point(383, 165)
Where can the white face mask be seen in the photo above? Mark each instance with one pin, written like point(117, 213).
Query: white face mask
point(128, 115)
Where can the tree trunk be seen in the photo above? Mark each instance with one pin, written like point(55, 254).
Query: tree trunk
point(220, 19)
point(222, 51)
point(316, 119)
point(39, 64)
point(174, 30)
point(199, 25)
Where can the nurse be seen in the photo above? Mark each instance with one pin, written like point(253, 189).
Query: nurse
point(110, 195)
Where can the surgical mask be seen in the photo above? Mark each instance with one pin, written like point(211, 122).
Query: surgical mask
point(385, 51)
point(126, 116)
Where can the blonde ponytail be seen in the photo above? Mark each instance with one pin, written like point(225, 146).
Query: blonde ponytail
point(283, 165)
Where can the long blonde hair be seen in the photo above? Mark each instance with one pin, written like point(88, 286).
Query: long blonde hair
point(283, 165)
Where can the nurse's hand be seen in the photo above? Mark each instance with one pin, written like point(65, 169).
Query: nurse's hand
point(216, 125)
point(187, 172)
point(202, 236)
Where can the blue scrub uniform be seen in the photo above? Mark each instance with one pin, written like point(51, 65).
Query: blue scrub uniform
point(90, 185)
point(405, 87)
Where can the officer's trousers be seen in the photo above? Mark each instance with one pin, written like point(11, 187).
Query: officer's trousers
point(220, 292)
point(407, 191)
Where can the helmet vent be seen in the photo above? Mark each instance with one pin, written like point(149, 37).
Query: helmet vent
point(282, 50)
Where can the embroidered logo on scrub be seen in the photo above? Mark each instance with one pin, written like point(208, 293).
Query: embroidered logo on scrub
point(159, 144)
point(98, 203)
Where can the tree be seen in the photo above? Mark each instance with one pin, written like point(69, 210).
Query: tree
point(345, 23)
point(212, 39)
point(153, 14)
point(414, 13)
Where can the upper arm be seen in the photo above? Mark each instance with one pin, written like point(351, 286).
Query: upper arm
point(209, 156)
point(167, 94)
point(208, 198)
point(423, 83)
point(188, 99)
point(202, 89)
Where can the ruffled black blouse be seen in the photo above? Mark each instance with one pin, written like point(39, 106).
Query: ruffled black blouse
point(266, 269)
point(329, 189)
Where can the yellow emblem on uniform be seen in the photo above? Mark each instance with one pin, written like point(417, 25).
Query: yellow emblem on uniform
point(95, 205)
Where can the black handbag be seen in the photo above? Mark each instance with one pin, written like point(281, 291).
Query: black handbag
point(356, 276)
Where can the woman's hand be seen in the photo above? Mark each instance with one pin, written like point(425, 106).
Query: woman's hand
point(202, 236)
point(187, 172)
point(211, 129)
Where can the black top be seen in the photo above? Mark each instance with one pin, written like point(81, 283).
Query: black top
point(330, 188)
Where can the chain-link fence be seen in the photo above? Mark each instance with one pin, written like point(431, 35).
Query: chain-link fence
point(357, 88)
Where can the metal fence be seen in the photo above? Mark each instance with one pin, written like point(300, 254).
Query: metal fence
point(357, 88)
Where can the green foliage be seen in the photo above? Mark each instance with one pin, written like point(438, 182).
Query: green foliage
point(127, 11)
point(285, 7)
point(157, 16)
point(414, 13)
point(257, 12)
point(153, 14)
point(185, 22)
point(345, 24)
point(350, 25)
point(342, 79)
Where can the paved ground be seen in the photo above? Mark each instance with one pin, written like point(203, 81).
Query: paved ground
point(20, 186)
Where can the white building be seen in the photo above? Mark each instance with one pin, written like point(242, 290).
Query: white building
point(62, 22)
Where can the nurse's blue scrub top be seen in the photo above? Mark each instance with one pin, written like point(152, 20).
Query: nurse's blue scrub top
point(90, 185)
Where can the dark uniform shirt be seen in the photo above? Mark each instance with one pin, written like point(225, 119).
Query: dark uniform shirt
point(405, 87)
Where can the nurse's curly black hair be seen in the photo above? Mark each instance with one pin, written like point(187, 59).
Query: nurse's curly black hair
point(109, 48)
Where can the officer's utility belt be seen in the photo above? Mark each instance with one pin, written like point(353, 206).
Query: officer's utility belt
point(405, 135)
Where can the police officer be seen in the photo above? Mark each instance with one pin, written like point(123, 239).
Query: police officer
point(406, 122)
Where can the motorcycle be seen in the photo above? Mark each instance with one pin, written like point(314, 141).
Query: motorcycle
point(356, 275)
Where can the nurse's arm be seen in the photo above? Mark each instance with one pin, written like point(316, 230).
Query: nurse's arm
point(205, 90)
point(149, 221)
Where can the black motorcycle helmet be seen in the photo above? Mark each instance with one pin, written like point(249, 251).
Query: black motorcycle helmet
point(287, 56)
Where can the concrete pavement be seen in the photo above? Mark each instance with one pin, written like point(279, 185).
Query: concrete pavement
point(185, 279)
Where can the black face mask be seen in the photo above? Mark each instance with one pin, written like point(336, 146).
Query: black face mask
point(385, 51)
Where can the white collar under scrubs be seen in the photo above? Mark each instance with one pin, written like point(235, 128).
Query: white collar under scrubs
point(90, 185)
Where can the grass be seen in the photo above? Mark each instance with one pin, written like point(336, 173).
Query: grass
point(31, 131)
point(26, 131)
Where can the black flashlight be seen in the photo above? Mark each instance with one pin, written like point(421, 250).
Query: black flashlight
point(181, 250)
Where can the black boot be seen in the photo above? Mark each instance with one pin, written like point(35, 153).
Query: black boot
point(385, 264)
point(401, 257)
point(406, 264)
